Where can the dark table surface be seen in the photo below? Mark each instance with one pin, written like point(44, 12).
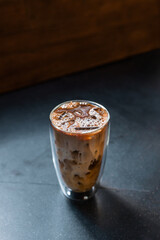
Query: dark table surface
point(127, 205)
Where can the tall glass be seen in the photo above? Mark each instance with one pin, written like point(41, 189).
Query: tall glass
point(79, 158)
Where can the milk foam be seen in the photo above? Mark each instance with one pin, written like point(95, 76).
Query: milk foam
point(79, 117)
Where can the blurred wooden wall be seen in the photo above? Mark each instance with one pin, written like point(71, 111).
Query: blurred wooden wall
point(42, 39)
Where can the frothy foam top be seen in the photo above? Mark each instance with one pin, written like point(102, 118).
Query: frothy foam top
point(79, 117)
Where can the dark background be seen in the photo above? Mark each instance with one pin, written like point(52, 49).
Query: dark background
point(98, 50)
point(41, 40)
point(127, 205)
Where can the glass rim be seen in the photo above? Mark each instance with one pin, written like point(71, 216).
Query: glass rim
point(85, 132)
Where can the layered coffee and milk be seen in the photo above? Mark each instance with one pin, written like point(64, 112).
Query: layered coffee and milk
point(80, 130)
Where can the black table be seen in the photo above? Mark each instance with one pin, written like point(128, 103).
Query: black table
point(127, 205)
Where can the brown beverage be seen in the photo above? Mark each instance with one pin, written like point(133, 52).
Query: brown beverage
point(80, 132)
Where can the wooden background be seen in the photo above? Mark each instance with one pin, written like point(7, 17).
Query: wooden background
point(42, 39)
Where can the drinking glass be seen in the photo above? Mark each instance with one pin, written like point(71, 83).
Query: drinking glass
point(85, 151)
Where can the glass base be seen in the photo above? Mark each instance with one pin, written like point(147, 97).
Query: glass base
point(79, 196)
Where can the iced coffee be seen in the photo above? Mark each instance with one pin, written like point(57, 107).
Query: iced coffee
point(80, 129)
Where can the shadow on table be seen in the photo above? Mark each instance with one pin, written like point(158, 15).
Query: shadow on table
point(108, 216)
